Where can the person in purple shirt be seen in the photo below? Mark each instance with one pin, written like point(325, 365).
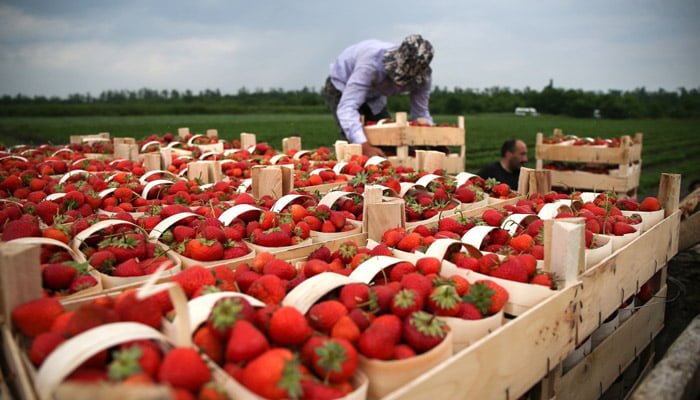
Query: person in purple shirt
point(365, 73)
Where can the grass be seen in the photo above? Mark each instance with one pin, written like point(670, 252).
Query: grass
point(670, 145)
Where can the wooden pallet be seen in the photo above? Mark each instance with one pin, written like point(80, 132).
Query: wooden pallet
point(401, 135)
point(628, 157)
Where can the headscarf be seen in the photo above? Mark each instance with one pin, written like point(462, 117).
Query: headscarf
point(409, 63)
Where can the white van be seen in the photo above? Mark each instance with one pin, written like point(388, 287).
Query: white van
point(525, 111)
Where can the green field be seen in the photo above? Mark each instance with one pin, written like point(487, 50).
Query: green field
point(670, 145)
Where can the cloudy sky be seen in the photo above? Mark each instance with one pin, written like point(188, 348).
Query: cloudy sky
point(62, 47)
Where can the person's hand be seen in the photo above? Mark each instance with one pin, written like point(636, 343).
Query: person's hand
point(369, 150)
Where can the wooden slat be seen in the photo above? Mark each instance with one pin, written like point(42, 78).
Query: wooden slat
point(608, 284)
point(587, 154)
point(509, 361)
point(434, 136)
point(598, 182)
point(379, 135)
point(20, 380)
point(597, 372)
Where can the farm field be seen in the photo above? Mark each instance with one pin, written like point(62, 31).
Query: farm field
point(670, 145)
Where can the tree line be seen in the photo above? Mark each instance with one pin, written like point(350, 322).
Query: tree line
point(638, 103)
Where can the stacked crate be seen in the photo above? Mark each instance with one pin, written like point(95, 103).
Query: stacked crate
point(402, 135)
point(628, 157)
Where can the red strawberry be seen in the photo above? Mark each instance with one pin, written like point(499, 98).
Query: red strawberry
point(128, 268)
point(487, 296)
point(333, 359)
point(338, 219)
point(405, 302)
point(81, 283)
point(492, 217)
point(376, 342)
point(245, 343)
point(354, 295)
point(450, 225)
point(324, 315)
point(544, 279)
point(418, 282)
point(209, 343)
point(623, 228)
point(130, 308)
point(345, 328)
point(57, 276)
point(428, 265)
point(182, 233)
point(88, 316)
point(423, 331)
point(512, 269)
point(226, 312)
point(281, 268)
point(319, 391)
point(275, 374)
point(205, 250)
point(444, 301)
point(269, 289)
point(399, 270)
point(322, 253)
point(274, 237)
point(20, 228)
point(192, 278)
point(42, 345)
point(650, 204)
point(410, 242)
point(468, 311)
point(403, 351)
point(314, 267)
point(36, 316)
point(522, 243)
point(288, 327)
point(191, 378)
point(47, 211)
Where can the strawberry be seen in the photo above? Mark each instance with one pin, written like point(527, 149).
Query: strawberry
point(354, 295)
point(36, 316)
point(128, 268)
point(450, 225)
point(410, 242)
point(512, 269)
point(468, 311)
point(522, 243)
point(501, 190)
point(646, 292)
point(134, 359)
point(42, 345)
point(428, 265)
point(405, 302)
point(275, 374)
point(192, 278)
point(191, 378)
point(423, 331)
point(403, 351)
point(20, 228)
point(212, 391)
point(314, 267)
point(130, 308)
point(226, 312)
point(488, 296)
point(399, 270)
point(209, 343)
point(104, 261)
point(245, 343)
point(288, 327)
point(468, 263)
point(623, 228)
point(322, 253)
point(205, 250)
point(130, 245)
point(269, 289)
point(492, 217)
point(47, 211)
point(529, 262)
point(281, 268)
point(444, 301)
point(319, 391)
point(418, 282)
point(274, 237)
point(333, 359)
point(88, 316)
point(182, 233)
point(81, 283)
point(650, 204)
point(376, 342)
point(345, 328)
point(324, 315)
point(347, 250)
point(488, 263)
point(57, 276)
point(338, 219)
point(544, 279)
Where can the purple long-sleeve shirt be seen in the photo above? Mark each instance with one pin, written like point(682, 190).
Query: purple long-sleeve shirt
point(359, 74)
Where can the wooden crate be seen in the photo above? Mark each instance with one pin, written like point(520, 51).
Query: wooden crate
point(599, 370)
point(628, 158)
point(401, 135)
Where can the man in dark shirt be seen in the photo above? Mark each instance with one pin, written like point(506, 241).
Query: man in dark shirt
point(507, 169)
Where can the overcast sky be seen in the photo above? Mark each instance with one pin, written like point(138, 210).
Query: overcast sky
point(62, 47)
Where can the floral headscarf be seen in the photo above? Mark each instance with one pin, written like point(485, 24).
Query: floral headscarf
point(409, 63)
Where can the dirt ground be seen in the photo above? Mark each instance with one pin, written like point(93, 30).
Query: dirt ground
point(683, 297)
